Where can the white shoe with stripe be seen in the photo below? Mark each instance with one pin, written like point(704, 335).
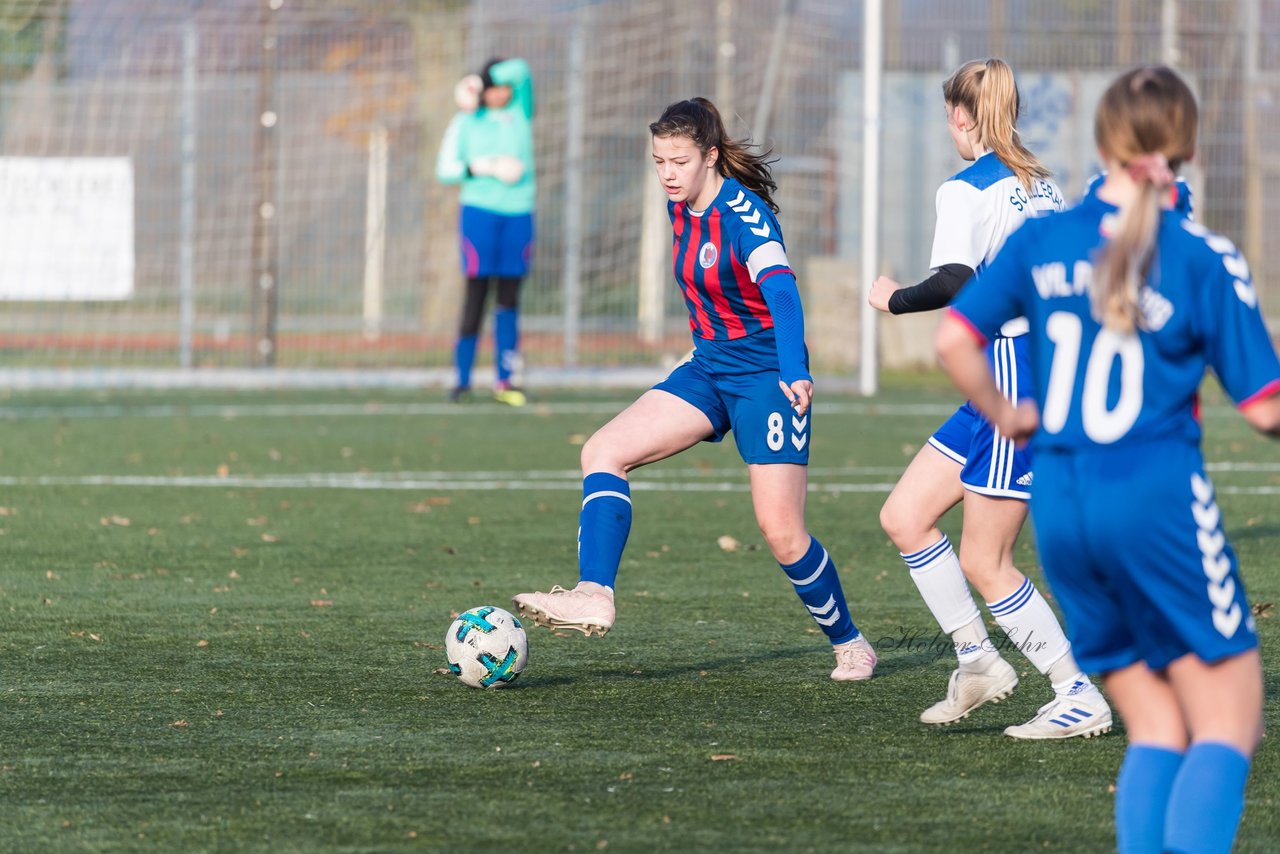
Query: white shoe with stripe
point(1085, 714)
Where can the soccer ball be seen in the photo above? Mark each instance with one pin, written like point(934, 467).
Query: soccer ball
point(486, 647)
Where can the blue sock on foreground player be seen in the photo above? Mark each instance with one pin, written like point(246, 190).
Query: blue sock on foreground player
point(1207, 800)
point(1142, 797)
point(1168, 801)
point(603, 527)
point(818, 586)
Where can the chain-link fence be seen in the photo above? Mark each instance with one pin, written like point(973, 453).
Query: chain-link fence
point(251, 183)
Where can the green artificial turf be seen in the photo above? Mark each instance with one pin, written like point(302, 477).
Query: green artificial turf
point(224, 618)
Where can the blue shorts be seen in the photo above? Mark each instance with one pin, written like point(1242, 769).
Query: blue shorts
point(991, 464)
point(495, 244)
point(751, 405)
point(1131, 542)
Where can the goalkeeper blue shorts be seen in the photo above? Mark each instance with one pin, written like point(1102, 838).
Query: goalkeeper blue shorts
point(495, 244)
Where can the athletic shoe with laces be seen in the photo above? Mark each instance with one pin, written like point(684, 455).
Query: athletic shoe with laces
point(967, 690)
point(510, 395)
point(1083, 711)
point(587, 608)
point(855, 660)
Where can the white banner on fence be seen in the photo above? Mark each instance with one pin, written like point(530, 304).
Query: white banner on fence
point(66, 228)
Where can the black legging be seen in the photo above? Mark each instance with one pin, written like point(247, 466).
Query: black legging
point(478, 293)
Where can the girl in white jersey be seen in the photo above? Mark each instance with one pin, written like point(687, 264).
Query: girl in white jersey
point(967, 460)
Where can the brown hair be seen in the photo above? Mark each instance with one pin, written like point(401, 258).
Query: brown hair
point(1147, 116)
point(698, 120)
point(988, 93)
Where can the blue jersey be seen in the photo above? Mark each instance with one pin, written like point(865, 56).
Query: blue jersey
point(1096, 387)
point(1179, 194)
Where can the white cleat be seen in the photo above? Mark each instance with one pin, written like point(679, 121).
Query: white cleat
point(855, 660)
point(1084, 713)
point(587, 608)
point(967, 690)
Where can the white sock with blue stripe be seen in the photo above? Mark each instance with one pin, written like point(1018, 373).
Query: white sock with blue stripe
point(937, 575)
point(1034, 630)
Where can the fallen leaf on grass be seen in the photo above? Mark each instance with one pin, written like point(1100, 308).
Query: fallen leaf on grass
point(1264, 610)
point(8, 511)
point(728, 543)
point(121, 521)
point(321, 603)
point(723, 757)
point(202, 643)
point(270, 538)
point(180, 723)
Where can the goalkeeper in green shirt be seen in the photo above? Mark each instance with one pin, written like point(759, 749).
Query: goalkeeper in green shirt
point(488, 149)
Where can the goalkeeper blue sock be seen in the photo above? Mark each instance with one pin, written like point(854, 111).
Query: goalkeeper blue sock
point(603, 527)
point(464, 357)
point(1142, 797)
point(818, 586)
point(506, 339)
point(1207, 800)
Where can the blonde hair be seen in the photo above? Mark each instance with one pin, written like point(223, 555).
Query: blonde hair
point(988, 93)
point(1146, 122)
point(698, 120)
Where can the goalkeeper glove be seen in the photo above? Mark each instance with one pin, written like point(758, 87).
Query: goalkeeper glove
point(467, 93)
point(504, 167)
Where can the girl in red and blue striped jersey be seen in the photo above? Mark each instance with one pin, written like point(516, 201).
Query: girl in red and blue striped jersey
point(748, 374)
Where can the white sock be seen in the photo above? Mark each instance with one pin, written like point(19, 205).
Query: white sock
point(1034, 630)
point(1067, 677)
point(937, 575)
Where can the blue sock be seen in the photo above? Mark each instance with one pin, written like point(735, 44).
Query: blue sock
point(818, 586)
point(1142, 797)
point(1207, 800)
point(603, 526)
point(506, 339)
point(464, 357)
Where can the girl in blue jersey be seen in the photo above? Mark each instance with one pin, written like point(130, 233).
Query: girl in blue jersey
point(488, 149)
point(748, 375)
point(1128, 303)
point(966, 459)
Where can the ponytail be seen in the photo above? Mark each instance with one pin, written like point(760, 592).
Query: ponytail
point(987, 91)
point(1146, 121)
point(1123, 265)
point(698, 120)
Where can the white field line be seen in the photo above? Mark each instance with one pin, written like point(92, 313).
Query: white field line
point(366, 410)
point(335, 410)
point(555, 480)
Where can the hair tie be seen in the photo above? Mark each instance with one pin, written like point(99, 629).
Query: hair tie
point(1152, 167)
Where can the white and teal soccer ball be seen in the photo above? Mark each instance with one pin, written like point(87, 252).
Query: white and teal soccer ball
point(486, 647)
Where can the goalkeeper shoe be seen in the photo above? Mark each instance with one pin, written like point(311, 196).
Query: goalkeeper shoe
point(509, 394)
point(855, 660)
point(587, 608)
point(1084, 712)
point(967, 690)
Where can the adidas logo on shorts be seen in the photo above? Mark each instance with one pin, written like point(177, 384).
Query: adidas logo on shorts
point(1025, 480)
